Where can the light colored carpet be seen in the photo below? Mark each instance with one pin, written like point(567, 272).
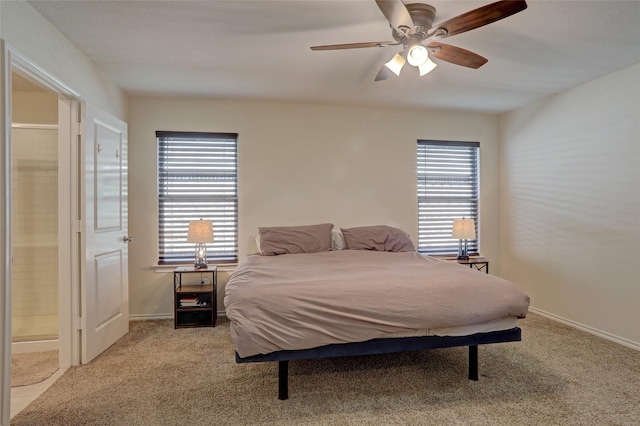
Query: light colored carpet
point(156, 375)
point(33, 367)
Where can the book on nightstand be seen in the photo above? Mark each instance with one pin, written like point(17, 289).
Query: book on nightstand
point(189, 302)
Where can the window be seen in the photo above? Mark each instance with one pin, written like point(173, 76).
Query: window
point(197, 179)
point(447, 189)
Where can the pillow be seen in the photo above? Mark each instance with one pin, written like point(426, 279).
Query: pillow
point(337, 240)
point(379, 238)
point(295, 239)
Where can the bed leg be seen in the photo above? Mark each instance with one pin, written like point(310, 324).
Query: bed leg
point(473, 362)
point(283, 380)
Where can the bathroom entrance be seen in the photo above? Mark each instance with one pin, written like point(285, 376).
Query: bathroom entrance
point(34, 163)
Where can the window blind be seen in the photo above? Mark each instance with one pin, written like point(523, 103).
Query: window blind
point(448, 189)
point(197, 179)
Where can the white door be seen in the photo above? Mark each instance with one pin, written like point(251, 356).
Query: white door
point(104, 280)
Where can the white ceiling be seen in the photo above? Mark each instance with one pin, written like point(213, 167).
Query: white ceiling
point(260, 50)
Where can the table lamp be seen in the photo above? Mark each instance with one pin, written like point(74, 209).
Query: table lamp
point(463, 229)
point(200, 232)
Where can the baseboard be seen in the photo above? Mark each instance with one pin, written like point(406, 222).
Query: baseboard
point(146, 317)
point(620, 340)
point(34, 346)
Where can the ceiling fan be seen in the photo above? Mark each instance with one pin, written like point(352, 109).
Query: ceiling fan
point(412, 27)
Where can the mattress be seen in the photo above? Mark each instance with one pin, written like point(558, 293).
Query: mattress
point(302, 301)
point(505, 323)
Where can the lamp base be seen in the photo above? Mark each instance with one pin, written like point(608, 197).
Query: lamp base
point(201, 256)
point(463, 252)
point(200, 265)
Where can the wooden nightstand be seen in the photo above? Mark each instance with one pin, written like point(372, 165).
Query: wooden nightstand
point(195, 296)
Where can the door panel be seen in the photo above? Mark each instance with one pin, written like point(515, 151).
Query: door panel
point(105, 289)
point(108, 179)
point(109, 291)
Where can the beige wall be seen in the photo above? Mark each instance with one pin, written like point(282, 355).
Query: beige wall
point(570, 228)
point(34, 107)
point(299, 164)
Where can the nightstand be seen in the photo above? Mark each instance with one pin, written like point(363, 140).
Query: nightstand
point(479, 263)
point(195, 296)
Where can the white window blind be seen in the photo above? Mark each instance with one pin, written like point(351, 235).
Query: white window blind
point(197, 179)
point(448, 189)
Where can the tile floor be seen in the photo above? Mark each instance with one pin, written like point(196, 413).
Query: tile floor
point(21, 396)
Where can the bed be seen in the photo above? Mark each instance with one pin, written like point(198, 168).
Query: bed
point(306, 297)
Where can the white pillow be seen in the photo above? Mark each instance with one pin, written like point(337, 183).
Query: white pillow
point(337, 239)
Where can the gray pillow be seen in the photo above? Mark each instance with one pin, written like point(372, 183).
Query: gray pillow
point(276, 240)
point(378, 238)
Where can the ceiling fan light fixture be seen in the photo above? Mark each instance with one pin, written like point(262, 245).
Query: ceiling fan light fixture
point(395, 64)
point(417, 55)
point(412, 24)
point(427, 67)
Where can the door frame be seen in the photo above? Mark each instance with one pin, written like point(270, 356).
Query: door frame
point(69, 144)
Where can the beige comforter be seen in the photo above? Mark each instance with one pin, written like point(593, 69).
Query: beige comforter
point(301, 301)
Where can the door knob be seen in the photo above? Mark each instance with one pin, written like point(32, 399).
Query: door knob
point(127, 239)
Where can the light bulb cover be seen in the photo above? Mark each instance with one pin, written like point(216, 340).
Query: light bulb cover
point(396, 63)
point(417, 55)
point(427, 67)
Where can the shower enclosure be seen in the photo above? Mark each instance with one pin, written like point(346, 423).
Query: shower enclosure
point(35, 237)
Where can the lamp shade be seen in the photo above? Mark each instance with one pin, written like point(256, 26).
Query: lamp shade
point(200, 231)
point(464, 229)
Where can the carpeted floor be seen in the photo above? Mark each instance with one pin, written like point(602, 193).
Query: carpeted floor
point(156, 375)
point(32, 367)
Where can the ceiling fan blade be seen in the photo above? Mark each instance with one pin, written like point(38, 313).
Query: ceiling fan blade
point(456, 55)
point(397, 14)
point(479, 17)
point(355, 45)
